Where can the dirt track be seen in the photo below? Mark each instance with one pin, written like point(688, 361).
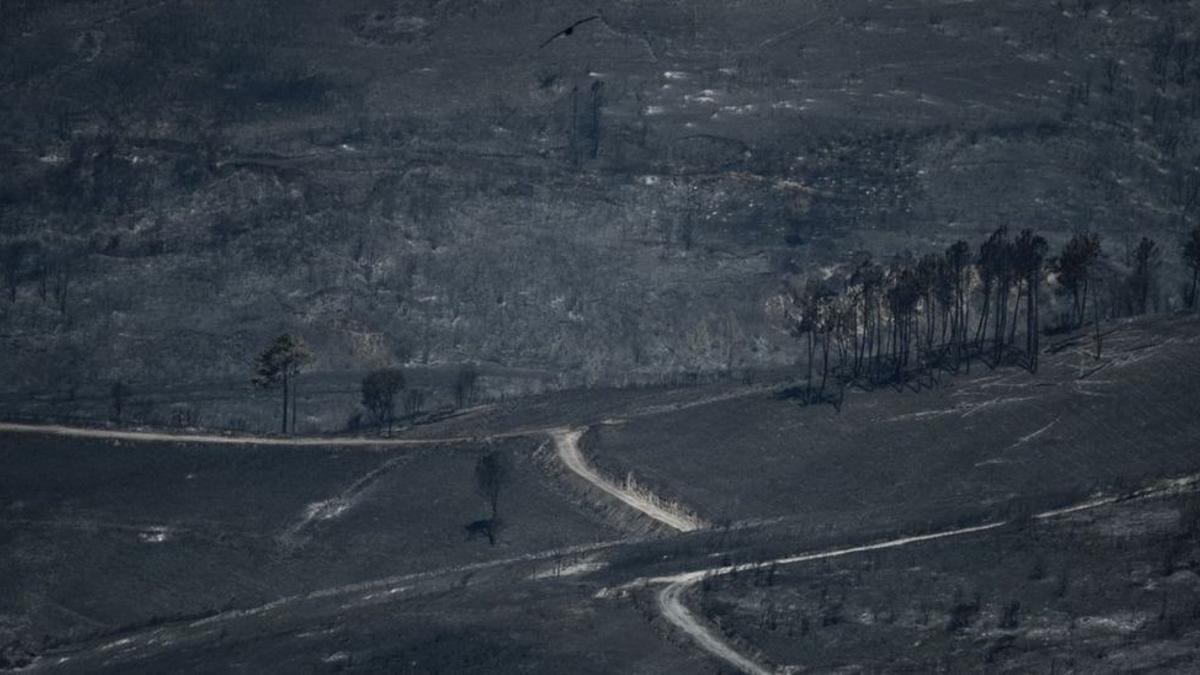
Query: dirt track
point(566, 442)
point(670, 598)
point(673, 609)
point(220, 439)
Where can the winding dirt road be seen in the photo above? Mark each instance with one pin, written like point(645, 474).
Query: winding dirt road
point(671, 605)
point(670, 598)
point(566, 442)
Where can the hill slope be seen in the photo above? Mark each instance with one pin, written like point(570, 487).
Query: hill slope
point(421, 180)
point(987, 440)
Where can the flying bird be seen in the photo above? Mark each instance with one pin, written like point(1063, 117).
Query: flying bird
point(568, 30)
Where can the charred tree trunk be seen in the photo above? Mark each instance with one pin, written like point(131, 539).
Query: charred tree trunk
point(284, 426)
point(1012, 333)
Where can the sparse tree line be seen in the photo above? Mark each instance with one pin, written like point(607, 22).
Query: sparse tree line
point(384, 391)
point(875, 323)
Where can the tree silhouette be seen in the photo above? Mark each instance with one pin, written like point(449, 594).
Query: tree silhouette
point(990, 262)
point(868, 277)
point(1029, 252)
point(379, 390)
point(119, 392)
point(1146, 259)
point(902, 299)
point(810, 315)
point(1190, 251)
point(279, 364)
point(1074, 270)
point(874, 324)
point(958, 260)
point(491, 475)
point(465, 383)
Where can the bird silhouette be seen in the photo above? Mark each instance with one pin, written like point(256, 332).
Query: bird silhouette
point(568, 30)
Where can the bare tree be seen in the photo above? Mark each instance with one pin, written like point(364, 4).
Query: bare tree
point(958, 259)
point(465, 383)
point(1190, 251)
point(1146, 260)
point(379, 390)
point(414, 401)
point(1029, 256)
point(808, 316)
point(987, 262)
point(1074, 269)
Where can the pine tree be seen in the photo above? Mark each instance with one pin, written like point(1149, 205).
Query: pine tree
point(279, 364)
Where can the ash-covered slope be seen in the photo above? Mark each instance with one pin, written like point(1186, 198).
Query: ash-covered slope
point(441, 181)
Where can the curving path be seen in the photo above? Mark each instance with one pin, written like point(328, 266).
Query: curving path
point(674, 610)
point(671, 605)
point(566, 443)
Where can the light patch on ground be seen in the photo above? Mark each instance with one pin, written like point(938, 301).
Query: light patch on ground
point(574, 569)
point(992, 462)
point(924, 414)
point(788, 105)
point(331, 508)
point(115, 645)
point(326, 510)
point(381, 595)
point(318, 633)
point(1126, 622)
point(974, 408)
point(1029, 437)
point(155, 535)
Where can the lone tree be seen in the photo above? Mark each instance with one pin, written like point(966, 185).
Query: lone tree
point(379, 392)
point(1191, 257)
point(491, 475)
point(464, 384)
point(279, 364)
